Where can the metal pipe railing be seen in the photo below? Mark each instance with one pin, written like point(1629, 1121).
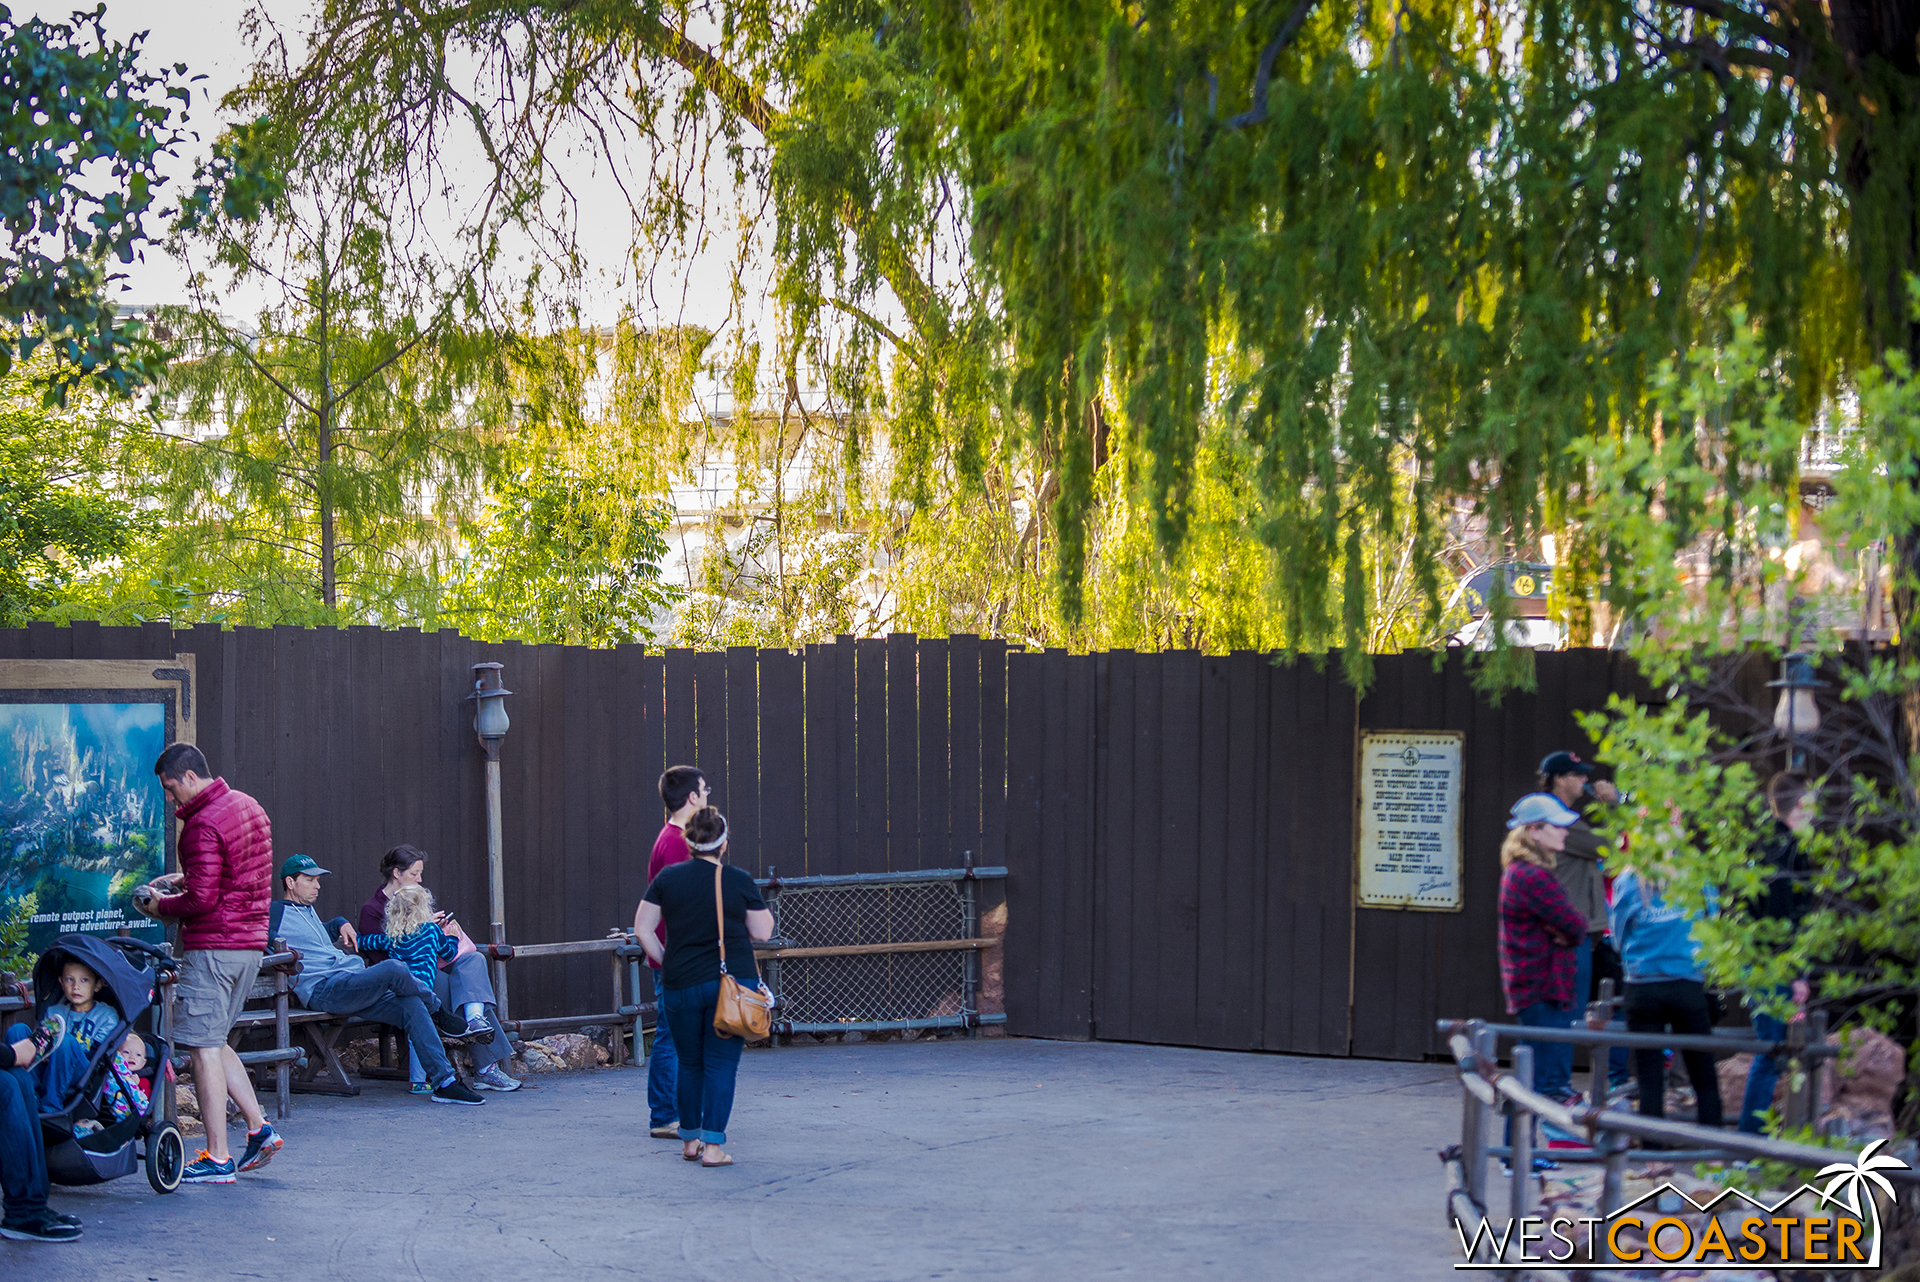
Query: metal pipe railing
point(1486, 1090)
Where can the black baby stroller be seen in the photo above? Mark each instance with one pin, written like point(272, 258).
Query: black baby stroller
point(77, 1154)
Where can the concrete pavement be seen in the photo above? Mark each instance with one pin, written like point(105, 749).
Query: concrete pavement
point(996, 1158)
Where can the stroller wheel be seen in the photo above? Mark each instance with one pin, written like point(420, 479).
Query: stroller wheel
point(166, 1158)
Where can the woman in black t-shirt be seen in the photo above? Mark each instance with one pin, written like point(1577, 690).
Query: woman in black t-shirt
point(682, 896)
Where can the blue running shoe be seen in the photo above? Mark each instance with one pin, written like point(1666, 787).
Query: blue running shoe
point(207, 1171)
point(261, 1146)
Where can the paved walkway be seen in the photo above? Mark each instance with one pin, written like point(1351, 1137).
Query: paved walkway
point(986, 1159)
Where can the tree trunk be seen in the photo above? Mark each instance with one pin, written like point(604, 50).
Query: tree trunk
point(329, 588)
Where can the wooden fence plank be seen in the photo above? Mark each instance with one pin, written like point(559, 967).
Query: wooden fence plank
point(847, 695)
point(1029, 934)
point(783, 748)
point(963, 797)
point(824, 790)
point(903, 753)
point(1149, 792)
point(935, 767)
point(993, 752)
point(1114, 889)
point(678, 714)
point(743, 758)
point(870, 753)
point(710, 726)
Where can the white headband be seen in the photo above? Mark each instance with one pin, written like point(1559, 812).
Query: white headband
point(705, 847)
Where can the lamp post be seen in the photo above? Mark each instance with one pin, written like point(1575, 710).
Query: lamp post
point(1797, 713)
point(490, 724)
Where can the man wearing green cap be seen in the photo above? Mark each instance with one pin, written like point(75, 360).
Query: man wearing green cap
point(334, 979)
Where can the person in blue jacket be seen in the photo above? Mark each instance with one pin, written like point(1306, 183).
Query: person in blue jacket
point(1666, 989)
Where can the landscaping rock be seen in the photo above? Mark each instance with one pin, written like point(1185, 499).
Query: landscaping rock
point(856, 1036)
point(564, 1051)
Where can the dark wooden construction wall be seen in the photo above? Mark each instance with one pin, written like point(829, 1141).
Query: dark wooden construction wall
point(1178, 826)
point(1199, 891)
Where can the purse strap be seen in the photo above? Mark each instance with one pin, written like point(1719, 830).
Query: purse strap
point(720, 919)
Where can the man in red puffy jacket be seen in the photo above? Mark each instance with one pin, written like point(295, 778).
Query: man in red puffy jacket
point(221, 897)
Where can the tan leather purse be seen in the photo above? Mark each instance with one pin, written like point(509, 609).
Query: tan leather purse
point(740, 1011)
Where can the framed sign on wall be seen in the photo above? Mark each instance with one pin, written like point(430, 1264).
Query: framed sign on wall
point(1407, 833)
point(83, 819)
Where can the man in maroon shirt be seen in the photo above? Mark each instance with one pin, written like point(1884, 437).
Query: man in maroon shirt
point(683, 792)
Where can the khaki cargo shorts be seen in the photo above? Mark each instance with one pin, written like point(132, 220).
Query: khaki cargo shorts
point(214, 984)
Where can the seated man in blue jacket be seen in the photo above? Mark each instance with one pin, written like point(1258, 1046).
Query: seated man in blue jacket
point(334, 979)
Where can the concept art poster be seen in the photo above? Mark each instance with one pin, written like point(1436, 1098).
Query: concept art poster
point(83, 819)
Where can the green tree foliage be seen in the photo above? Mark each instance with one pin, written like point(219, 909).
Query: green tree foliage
point(318, 463)
point(1401, 257)
point(15, 917)
point(59, 514)
point(1696, 522)
point(79, 175)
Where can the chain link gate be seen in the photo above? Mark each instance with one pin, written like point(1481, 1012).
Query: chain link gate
point(876, 951)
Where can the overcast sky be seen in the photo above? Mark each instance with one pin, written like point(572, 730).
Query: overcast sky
point(205, 35)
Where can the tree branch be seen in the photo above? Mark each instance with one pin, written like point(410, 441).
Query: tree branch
point(1264, 76)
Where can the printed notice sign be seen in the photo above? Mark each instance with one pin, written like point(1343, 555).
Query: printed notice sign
point(1409, 826)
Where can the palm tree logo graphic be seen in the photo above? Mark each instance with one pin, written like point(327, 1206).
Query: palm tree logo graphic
point(1853, 1179)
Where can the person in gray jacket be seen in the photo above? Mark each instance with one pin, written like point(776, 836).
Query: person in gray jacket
point(338, 982)
point(1582, 871)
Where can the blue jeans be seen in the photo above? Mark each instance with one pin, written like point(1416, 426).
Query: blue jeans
point(57, 1073)
point(387, 992)
point(663, 1066)
point(23, 1162)
point(1552, 1061)
point(1762, 1076)
point(708, 1062)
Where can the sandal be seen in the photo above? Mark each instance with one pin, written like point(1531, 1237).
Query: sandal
point(726, 1159)
point(698, 1149)
point(49, 1033)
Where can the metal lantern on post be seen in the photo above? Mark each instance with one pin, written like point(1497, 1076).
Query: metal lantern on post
point(1797, 713)
point(490, 724)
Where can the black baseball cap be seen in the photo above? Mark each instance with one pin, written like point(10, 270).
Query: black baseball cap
point(1565, 763)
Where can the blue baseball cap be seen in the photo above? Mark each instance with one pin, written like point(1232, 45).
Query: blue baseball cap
point(300, 865)
point(1541, 808)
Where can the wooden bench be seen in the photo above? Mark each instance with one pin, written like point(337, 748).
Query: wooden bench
point(305, 1049)
point(274, 988)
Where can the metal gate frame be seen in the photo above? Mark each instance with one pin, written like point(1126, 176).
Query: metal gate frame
point(782, 951)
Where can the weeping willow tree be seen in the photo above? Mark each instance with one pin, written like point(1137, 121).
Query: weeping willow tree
point(1387, 258)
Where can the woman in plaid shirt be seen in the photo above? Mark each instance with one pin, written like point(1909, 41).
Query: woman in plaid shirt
point(1540, 931)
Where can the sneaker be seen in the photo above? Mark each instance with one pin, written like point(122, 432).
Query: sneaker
point(86, 1126)
point(452, 1029)
point(207, 1171)
point(419, 1088)
point(479, 1029)
point(494, 1078)
point(666, 1130)
point(64, 1219)
point(47, 1034)
point(43, 1226)
point(456, 1092)
point(261, 1146)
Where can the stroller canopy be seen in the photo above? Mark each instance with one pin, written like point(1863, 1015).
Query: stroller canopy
point(129, 987)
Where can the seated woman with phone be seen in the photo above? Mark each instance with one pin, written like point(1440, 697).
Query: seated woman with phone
point(461, 984)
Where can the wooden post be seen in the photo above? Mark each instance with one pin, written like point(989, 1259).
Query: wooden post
point(282, 1071)
point(617, 1039)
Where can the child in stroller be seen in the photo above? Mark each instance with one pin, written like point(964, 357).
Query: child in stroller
point(97, 1117)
